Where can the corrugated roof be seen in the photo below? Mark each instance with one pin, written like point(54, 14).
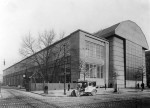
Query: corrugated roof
point(107, 32)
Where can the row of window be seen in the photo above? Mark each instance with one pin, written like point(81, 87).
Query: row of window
point(60, 61)
point(94, 71)
point(133, 49)
point(95, 50)
point(134, 75)
point(16, 80)
point(134, 60)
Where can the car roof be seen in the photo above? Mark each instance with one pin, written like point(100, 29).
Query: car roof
point(84, 81)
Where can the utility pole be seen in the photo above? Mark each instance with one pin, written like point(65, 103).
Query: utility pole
point(64, 71)
point(142, 73)
point(84, 76)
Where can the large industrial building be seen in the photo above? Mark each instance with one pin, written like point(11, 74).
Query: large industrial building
point(147, 54)
point(117, 51)
point(127, 45)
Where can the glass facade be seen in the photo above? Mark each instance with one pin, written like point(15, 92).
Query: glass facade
point(134, 61)
point(95, 50)
point(94, 71)
point(148, 68)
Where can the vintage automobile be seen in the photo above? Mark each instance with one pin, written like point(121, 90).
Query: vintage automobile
point(85, 88)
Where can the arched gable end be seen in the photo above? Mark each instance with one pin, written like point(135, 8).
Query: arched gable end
point(131, 31)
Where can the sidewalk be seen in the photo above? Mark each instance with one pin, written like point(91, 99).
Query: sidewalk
point(54, 93)
point(60, 93)
point(134, 90)
point(100, 91)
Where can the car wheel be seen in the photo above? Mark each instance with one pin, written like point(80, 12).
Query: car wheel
point(77, 94)
point(93, 93)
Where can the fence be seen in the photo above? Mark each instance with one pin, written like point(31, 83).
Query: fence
point(51, 86)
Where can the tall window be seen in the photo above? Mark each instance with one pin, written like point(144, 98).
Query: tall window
point(98, 51)
point(98, 71)
point(87, 70)
point(134, 60)
point(91, 71)
point(94, 71)
point(102, 71)
point(95, 50)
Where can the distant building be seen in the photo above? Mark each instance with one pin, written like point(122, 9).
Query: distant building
point(147, 53)
point(118, 49)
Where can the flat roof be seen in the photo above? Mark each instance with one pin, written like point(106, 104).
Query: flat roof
point(57, 43)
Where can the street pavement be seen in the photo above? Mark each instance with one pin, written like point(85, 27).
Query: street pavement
point(126, 98)
point(60, 93)
point(100, 91)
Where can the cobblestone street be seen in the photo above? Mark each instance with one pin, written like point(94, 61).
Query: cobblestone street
point(11, 98)
point(16, 99)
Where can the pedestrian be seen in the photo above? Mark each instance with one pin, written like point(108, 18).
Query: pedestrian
point(68, 86)
point(105, 86)
point(142, 86)
point(138, 85)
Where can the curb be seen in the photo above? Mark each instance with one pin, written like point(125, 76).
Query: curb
point(47, 95)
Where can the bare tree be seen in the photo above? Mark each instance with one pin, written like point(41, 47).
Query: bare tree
point(140, 74)
point(83, 69)
point(31, 48)
point(62, 35)
point(81, 64)
point(40, 53)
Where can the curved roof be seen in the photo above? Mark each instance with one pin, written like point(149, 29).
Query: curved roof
point(128, 30)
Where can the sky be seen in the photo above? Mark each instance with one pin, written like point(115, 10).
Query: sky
point(19, 17)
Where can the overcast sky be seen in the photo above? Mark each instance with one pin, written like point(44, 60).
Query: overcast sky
point(19, 17)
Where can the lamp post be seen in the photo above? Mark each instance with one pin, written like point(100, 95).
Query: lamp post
point(24, 81)
point(64, 71)
point(105, 81)
point(105, 84)
point(142, 78)
point(24, 75)
point(142, 73)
